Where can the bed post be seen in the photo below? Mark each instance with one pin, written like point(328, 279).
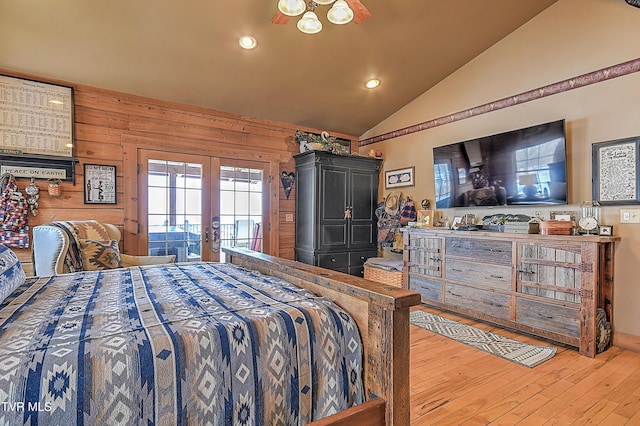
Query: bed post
point(389, 375)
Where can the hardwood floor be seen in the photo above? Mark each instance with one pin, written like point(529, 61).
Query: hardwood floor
point(452, 384)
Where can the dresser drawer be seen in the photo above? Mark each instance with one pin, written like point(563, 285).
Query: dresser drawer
point(333, 260)
point(494, 276)
point(490, 251)
point(559, 319)
point(428, 289)
point(487, 302)
point(358, 258)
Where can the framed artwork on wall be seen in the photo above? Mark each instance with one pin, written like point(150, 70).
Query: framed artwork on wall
point(615, 171)
point(399, 177)
point(99, 184)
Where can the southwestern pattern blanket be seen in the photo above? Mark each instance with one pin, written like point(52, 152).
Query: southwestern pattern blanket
point(200, 343)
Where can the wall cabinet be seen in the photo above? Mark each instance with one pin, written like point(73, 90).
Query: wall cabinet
point(336, 198)
point(550, 286)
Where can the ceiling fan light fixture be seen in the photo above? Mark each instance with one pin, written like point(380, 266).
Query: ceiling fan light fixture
point(309, 23)
point(340, 13)
point(292, 7)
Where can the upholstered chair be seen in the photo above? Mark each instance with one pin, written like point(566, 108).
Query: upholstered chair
point(71, 246)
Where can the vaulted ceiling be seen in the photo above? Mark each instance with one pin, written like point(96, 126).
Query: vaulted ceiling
point(188, 52)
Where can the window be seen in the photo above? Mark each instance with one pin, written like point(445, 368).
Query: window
point(532, 168)
point(444, 184)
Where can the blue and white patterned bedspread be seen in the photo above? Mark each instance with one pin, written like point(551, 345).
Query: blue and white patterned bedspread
point(200, 343)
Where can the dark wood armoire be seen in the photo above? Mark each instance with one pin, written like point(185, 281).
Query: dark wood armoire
point(336, 199)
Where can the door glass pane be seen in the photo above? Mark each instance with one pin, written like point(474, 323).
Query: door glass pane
point(240, 208)
point(174, 206)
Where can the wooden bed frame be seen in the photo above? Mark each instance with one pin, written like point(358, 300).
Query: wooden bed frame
point(382, 314)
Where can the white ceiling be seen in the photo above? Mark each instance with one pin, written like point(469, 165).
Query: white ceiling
point(187, 52)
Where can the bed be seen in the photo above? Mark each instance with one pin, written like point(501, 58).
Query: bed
point(173, 344)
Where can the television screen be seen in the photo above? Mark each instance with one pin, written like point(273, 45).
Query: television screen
point(519, 167)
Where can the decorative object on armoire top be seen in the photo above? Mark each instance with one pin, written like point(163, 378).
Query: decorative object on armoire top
point(33, 193)
point(322, 142)
point(342, 12)
point(287, 179)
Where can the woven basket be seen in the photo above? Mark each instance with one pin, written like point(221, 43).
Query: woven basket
point(393, 278)
point(54, 189)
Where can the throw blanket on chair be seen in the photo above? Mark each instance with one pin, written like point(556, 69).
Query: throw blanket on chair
point(76, 231)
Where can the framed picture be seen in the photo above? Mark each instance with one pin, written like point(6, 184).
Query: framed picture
point(425, 217)
point(615, 171)
point(400, 177)
point(99, 184)
point(569, 215)
point(457, 221)
point(37, 118)
point(605, 230)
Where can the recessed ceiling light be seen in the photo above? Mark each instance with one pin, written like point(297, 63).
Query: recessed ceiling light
point(372, 84)
point(248, 42)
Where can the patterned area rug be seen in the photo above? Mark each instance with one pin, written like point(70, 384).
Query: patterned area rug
point(521, 353)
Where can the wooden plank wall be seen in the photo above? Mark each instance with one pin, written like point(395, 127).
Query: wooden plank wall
point(103, 117)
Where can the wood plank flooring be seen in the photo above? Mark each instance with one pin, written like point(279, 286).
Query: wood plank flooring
point(453, 384)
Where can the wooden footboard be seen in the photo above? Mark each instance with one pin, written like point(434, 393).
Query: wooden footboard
point(381, 312)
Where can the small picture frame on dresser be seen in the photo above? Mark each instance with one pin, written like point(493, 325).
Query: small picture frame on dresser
point(606, 230)
point(457, 221)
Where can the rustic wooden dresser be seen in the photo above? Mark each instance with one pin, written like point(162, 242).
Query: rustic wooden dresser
point(550, 286)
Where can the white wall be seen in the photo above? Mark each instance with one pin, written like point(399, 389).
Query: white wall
point(571, 38)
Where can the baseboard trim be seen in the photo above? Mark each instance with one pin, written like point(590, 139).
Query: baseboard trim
point(626, 341)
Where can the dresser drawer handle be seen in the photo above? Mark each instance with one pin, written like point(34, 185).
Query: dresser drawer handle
point(497, 276)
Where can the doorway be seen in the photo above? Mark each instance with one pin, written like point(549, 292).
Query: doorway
point(192, 205)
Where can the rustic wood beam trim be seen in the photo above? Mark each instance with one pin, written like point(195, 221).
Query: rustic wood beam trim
point(583, 80)
point(197, 146)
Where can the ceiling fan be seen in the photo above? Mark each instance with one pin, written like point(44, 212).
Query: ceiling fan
point(342, 12)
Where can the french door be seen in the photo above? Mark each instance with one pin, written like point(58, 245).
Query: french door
point(192, 205)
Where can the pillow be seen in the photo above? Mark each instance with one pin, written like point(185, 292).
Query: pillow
point(99, 255)
point(127, 260)
point(12, 275)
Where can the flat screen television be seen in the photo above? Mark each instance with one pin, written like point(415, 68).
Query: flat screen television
point(519, 167)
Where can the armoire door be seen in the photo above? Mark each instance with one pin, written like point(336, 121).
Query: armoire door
point(333, 203)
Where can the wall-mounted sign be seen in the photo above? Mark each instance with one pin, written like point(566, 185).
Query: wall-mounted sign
point(34, 172)
point(100, 184)
point(35, 118)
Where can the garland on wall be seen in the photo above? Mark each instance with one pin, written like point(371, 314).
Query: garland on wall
point(583, 80)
